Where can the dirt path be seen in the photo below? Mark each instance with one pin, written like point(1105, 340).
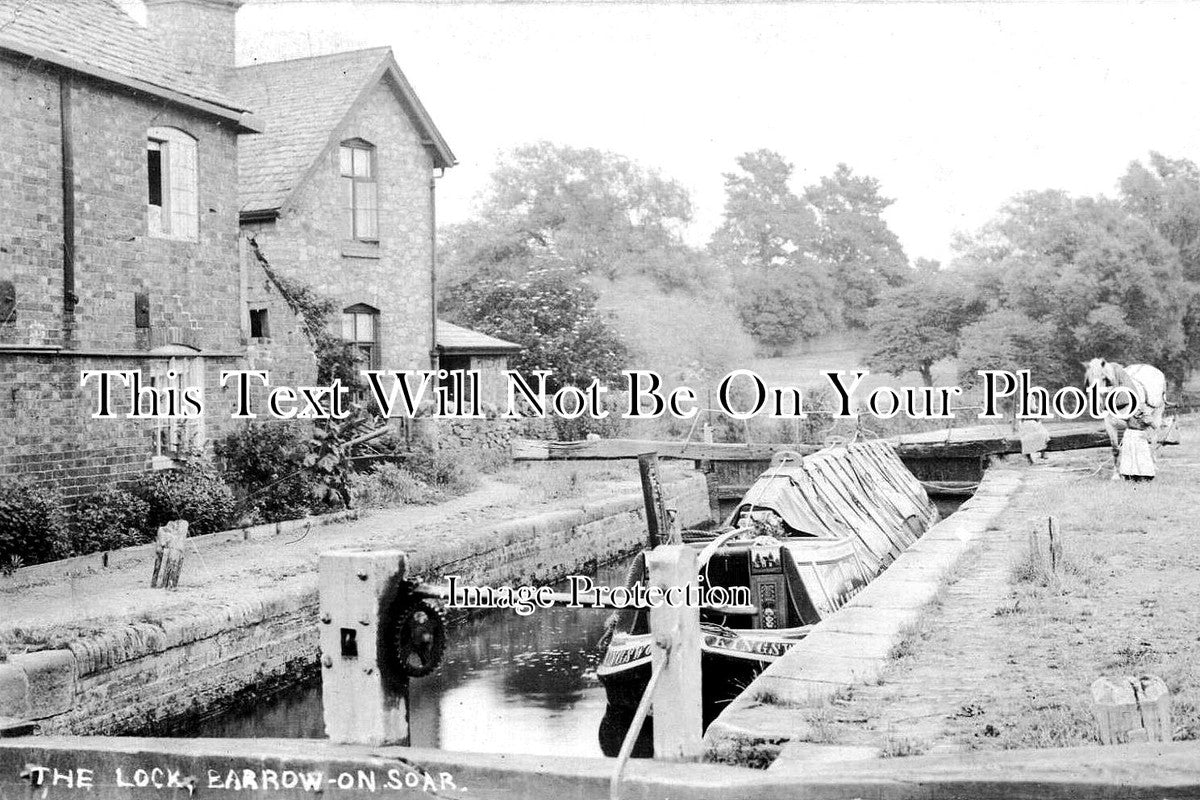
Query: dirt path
point(55, 610)
point(1006, 657)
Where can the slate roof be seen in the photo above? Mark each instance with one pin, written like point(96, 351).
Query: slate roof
point(453, 338)
point(301, 103)
point(96, 37)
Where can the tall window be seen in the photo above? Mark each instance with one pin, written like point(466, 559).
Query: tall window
point(172, 204)
point(359, 199)
point(360, 326)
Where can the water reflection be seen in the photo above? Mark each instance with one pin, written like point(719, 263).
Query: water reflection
point(508, 684)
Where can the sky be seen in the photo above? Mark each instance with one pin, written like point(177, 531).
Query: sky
point(954, 107)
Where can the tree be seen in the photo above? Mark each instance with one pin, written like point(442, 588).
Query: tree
point(765, 225)
point(1010, 340)
point(1166, 194)
point(599, 212)
point(551, 312)
point(916, 325)
point(783, 306)
point(782, 294)
point(861, 252)
point(1095, 279)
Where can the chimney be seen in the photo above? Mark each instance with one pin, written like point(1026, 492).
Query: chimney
point(199, 33)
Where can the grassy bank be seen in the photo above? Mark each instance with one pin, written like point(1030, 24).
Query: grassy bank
point(1007, 657)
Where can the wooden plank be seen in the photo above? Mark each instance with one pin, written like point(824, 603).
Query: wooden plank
point(973, 442)
point(658, 520)
point(610, 449)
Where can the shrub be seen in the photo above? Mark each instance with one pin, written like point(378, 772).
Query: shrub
point(31, 524)
point(107, 520)
point(195, 493)
point(454, 471)
point(388, 485)
point(258, 455)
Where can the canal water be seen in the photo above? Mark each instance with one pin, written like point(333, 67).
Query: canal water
point(508, 684)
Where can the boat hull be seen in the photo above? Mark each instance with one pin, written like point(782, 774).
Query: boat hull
point(728, 664)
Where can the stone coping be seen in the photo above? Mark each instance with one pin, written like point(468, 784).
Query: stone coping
point(93, 562)
point(43, 683)
point(1155, 770)
point(853, 645)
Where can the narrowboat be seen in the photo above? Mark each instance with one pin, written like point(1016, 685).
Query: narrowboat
point(806, 537)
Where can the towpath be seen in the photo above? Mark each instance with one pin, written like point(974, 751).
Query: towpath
point(44, 609)
point(1006, 655)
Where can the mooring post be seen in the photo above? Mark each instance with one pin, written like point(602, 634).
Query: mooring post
point(678, 714)
point(169, 554)
point(365, 699)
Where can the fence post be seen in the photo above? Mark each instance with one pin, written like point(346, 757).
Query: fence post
point(678, 714)
point(365, 700)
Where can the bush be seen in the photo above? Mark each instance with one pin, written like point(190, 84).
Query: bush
point(258, 455)
point(107, 520)
point(194, 493)
point(388, 485)
point(450, 470)
point(31, 525)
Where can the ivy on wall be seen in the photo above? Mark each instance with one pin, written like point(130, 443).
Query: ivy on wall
point(337, 359)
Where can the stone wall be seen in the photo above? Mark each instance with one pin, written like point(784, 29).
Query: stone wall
point(138, 676)
point(484, 442)
point(306, 241)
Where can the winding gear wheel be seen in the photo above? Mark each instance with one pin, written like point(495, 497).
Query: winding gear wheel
point(418, 637)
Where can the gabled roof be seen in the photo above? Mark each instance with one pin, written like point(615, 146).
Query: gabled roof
point(457, 340)
point(97, 38)
point(302, 103)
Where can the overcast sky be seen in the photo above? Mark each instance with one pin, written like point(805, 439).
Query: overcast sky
point(954, 107)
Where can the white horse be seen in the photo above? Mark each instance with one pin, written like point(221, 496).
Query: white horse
point(1145, 382)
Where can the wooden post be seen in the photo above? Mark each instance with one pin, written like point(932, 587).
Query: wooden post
point(168, 554)
point(658, 525)
point(364, 700)
point(1130, 709)
point(678, 714)
point(1056, 544)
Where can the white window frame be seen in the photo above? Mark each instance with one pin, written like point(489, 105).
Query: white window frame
point(178, 438)
point(178, 216)
point(371, 346)
point(360, 190)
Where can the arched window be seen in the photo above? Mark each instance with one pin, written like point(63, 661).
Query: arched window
point(360, 327)
point(172, 202)
point(359, 198)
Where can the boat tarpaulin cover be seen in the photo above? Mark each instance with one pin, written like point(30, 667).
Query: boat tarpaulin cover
point(862, 491)
point(782, 490)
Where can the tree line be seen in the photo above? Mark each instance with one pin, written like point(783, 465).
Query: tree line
point(1052, 280)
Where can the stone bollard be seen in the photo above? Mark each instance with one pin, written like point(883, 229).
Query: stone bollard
point(365, 697)
point(1130, 709)
point(678, 713)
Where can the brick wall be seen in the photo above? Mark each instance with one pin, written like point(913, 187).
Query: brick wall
point(30, 185)
point(46, 430)
point(306, 241)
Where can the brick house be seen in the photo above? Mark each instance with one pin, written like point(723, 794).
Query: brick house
point(142, 177)
point(338, 192)
point(118, 239)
